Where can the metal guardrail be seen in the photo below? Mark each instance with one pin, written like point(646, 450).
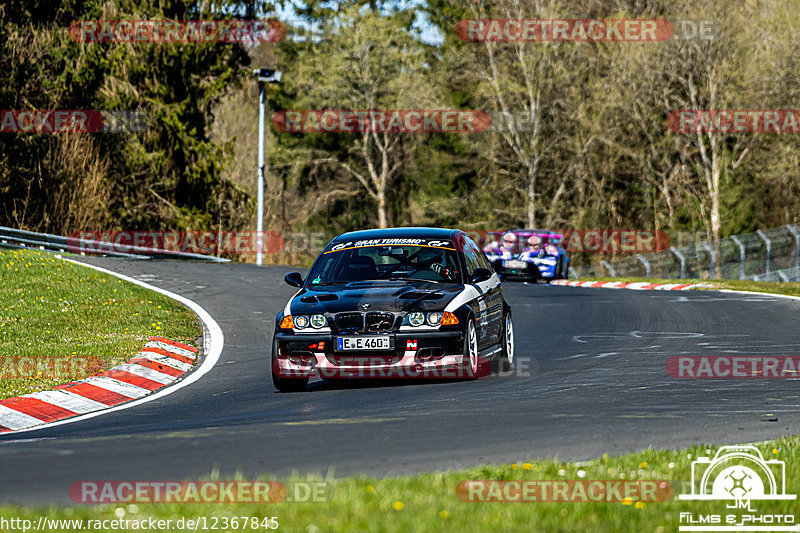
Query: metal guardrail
point(17, 238)
point(766, 255)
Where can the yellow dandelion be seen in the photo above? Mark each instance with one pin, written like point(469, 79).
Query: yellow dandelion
point(444, 513)
point(398, 506)
point(370, 489)
point(627, 500)
point(527, 466)
point(643, 465)
point(640, 505)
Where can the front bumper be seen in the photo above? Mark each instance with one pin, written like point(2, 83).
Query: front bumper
point(529, 273)
point(416, 354)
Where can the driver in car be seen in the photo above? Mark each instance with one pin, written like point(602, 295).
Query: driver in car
point(434, 259)
point(534, 246)
point(503, 248)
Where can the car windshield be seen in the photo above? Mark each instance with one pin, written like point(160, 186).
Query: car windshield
point(347, 264)
point(519, 242)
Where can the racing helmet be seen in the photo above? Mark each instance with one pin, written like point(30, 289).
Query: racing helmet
point(534, 241)
point(509, 240)
point(431, 255)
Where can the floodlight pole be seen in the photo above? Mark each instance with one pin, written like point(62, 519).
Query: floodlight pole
point(264, 76)
point(260, 215)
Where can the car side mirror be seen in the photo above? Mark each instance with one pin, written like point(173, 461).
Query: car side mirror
point(294, 279)
point(481, 274)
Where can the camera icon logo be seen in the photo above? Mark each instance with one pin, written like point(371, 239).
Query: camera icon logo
point(738, 473)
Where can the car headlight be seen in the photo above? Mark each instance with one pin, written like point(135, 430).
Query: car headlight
point(318, 321)
point(434, 318)
point(416, 319)
point(301, 322)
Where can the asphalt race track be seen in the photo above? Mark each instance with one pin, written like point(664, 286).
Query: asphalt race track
point(593, 381)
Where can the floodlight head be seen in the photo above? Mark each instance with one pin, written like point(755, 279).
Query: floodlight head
point(267, 75)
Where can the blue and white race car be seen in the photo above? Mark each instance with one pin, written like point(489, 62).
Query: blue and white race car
point(528, 255)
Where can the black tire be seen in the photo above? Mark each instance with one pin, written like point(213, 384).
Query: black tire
point(536, 274)
point(469, 364)
point(558, 274)
point(285, 384)
point(505, 361)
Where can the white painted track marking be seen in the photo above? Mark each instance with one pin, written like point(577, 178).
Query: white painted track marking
point(13, 419)
point(67, 400)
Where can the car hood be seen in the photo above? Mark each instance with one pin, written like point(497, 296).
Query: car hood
point(394, 296)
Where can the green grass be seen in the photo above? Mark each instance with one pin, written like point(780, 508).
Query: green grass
point(428, 502)
point(772, 287)
point(53, 309)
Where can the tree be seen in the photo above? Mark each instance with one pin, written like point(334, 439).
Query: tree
point(364, 61)
point(526, 84)
point(169, 174)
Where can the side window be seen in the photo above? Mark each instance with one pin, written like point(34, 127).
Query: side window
point(470, 257)
point(482, 261)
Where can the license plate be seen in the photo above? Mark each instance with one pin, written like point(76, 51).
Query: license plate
point(514, 263)
point(363, 343)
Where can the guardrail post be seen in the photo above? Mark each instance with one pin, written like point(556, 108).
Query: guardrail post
point(682, 259)
point(646, 264)
point(713, 256)
point(741, 255)
point(610, 269)
point(769, 245)
point(793, 230)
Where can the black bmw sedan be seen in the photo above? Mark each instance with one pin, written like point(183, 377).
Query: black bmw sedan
point(393, 303)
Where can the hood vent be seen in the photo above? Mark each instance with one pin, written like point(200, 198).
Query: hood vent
point(319, 298)
point(415, 295)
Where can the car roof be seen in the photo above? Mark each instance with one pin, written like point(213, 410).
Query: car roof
point(528, 233)
point(399, 233)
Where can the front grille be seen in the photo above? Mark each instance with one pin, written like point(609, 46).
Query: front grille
point(349, 321)
point(379, 321)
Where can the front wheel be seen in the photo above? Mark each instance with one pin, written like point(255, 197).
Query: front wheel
point(505, 361)
point(562, 269)
point(469, 362)
point(285, 384)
